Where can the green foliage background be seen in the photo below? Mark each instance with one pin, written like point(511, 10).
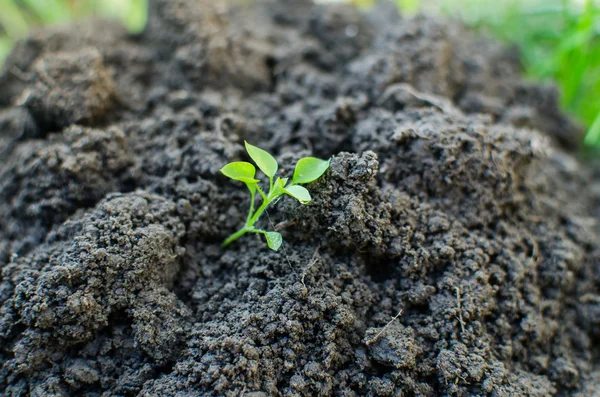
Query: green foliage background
point(559, 39)
point(17, 17)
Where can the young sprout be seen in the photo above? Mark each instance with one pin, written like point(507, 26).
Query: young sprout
point(307, 170)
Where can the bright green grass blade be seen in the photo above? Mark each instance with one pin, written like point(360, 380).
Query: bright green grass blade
point(49, 11)
point(592, 138)
point(132, 13)
point(13, 19)
point(5, 47)
point(138, 16)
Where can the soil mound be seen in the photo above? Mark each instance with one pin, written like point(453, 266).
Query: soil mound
point(451, 249)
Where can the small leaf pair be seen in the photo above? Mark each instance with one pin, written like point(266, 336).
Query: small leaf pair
point(307, 170)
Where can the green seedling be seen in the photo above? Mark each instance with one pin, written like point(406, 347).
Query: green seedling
point(307, 170)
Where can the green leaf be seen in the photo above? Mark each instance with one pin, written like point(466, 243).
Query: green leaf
point(263, 160)
point(299, 192)
point(274, 240)
point(309, 169)
point(240, 171)
point(281, 182)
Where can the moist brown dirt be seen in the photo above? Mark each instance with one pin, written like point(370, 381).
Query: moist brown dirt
point(451, 249)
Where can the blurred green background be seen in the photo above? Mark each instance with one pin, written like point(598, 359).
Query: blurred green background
point(17, 17)
point(559, 39)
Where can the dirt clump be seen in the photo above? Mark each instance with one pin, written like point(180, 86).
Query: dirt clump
point(69, 89)
point(450, 249)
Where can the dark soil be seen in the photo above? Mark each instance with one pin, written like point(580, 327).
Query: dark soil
point(453, 198)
